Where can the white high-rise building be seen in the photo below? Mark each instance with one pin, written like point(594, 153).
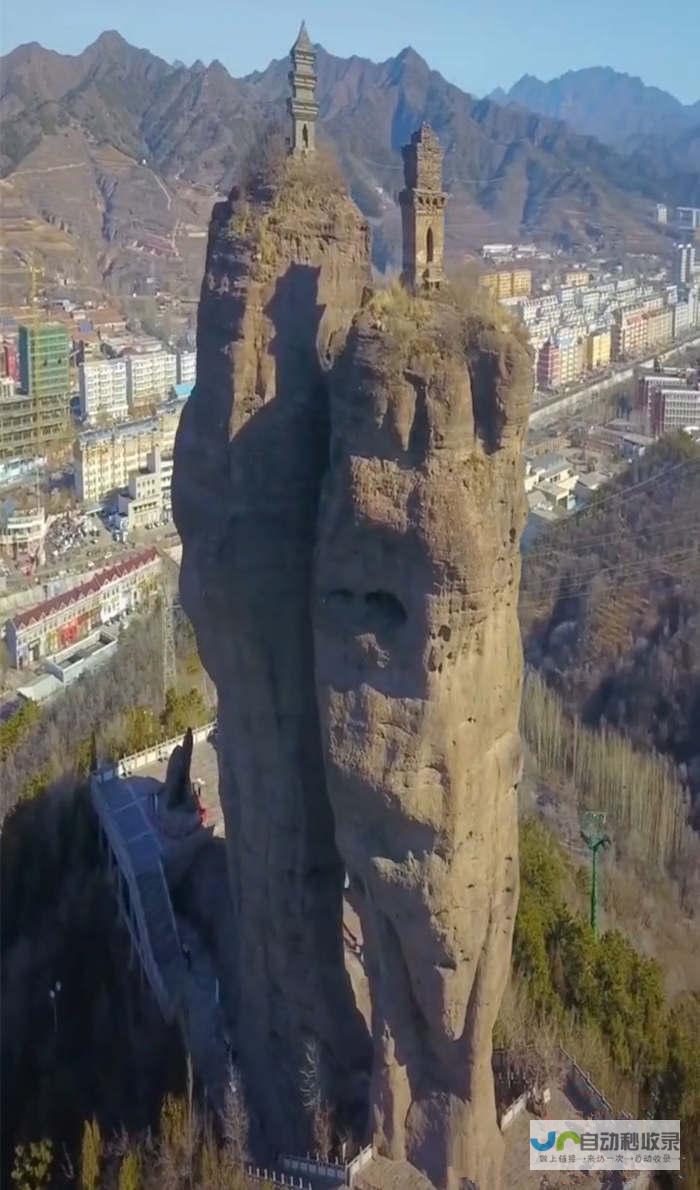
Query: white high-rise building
point(103, 389)
point(186, 367)
point(684, 264)
point(150, 376)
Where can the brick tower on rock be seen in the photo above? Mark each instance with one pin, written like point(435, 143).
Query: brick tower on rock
point(302, 105)
point(423, 211)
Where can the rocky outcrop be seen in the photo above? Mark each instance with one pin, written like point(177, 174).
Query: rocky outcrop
point(418, 665)
point(287, 261)
point(381, 1174)
point(348, 489)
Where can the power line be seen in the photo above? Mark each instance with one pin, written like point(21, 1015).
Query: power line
point(593, 543)
point(625, 492)
point(567, 589)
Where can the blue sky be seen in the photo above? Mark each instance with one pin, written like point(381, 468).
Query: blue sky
point(476, 45)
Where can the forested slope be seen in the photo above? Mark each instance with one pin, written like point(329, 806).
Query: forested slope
point(610, 605)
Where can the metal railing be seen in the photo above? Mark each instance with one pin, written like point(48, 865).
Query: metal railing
point(272, 1177)
point(339, 1172)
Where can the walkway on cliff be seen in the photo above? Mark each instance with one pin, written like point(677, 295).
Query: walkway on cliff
point(173, 958)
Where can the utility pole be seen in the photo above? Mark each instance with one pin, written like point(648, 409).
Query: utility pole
point(595, 838)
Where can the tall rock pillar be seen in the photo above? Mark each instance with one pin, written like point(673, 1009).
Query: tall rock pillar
point(287, 261)
point(418, 670)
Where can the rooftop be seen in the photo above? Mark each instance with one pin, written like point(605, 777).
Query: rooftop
point(66, 599)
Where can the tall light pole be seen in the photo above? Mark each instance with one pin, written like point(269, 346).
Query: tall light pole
point(595, 838)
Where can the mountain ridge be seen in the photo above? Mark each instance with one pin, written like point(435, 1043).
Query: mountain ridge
point(184, 133)
point(583, 98)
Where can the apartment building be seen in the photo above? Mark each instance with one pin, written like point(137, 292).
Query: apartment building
point(147, 500)
point(659, 326)
point(508, 283)
point(688, 217)
point(674, 408)
point(149, 376)
point(103, 389)
point(549, 366)
point(629, 332)
point(30, 424)
point(598, 349)
point(571, 356)
point(36, 416)
point(186, 367)
point(684, 264)
point(105, 459)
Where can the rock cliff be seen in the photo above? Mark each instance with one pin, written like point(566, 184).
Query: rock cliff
point(287, 260)
point(348, 489)
point(418, 666)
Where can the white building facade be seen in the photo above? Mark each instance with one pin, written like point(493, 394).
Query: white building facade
point(186, 367)
point(103, 389)
point(150, 376)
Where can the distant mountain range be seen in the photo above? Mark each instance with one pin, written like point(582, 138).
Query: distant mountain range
point(111, 159)
point(618, 109)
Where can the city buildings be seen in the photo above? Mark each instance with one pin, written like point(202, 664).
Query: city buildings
point(103, 389)
point(56, 624)
point(591, 321)
point(37, 415)
point(149, 376)
point(105, 459)
point(578, 278)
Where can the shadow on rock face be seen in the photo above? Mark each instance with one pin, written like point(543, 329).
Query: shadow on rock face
point(418, 667)
point(246, 585)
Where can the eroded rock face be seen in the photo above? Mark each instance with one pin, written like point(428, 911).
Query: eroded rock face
point(286, 266)
point(350, 507)
point(418, 669)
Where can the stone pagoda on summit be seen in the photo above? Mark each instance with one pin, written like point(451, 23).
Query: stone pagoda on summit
point(423, 211)
point(302, 105)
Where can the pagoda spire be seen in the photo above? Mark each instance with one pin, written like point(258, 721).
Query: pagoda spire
point(302, 105)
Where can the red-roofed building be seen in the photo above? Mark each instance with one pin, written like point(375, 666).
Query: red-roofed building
point(53, 625)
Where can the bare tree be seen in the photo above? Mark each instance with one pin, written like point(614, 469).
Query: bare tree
point(314, 1099)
